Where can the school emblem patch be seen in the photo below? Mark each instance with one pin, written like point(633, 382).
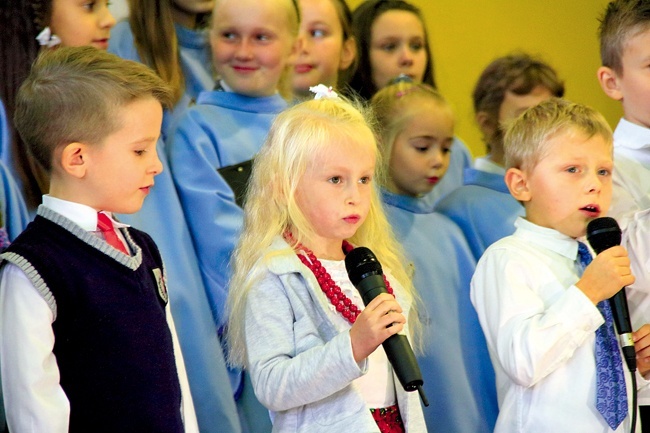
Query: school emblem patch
point(162, 287)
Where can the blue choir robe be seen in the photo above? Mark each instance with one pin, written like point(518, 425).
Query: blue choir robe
point(15, 215)
point(12, 205)
point(483, 209)
point(457, 371)
point(460, 159)
point(6, 153)
point(222, 129)
point(195, 59)
point(161, 216)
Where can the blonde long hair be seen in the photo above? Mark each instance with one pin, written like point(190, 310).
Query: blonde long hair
point(295, 137)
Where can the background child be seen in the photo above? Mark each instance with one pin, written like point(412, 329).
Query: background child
point(624, 31)
point(392, 40)
point(483, 207)
point(624, 35)
point(311, 366)
point(56, 23)
point(327, 47)
point(253, 44)
point(92, 120)
point(541, 314)
point(417, 128)
point(171, 37)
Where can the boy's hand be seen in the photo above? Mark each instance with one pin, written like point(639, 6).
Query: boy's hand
point(606, 275)
point(641, 339)
point(373, 325)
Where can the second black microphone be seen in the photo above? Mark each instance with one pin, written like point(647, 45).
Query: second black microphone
point(366, 274)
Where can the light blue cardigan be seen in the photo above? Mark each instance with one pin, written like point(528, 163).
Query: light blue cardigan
point(300, 362)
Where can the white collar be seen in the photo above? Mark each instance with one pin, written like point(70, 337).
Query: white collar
point(80, 214)
point(484, 163)
point(545, 237)
point(631, 136)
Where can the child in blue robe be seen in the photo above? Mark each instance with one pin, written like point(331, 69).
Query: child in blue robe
point(174, 42)
point(416, 137)
point(253, 44)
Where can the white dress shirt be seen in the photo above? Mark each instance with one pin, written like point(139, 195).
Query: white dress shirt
point(540, 329)
point(34, 400)
point(631, 193)
point(631, 178)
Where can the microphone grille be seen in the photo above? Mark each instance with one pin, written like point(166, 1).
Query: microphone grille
point(603, 233)
point(360, 263)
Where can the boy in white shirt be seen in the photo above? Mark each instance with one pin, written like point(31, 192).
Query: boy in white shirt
point(624, 50)
point(538, 307)
point(87, 342)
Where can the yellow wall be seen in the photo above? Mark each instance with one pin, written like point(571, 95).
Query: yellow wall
point(466, 35)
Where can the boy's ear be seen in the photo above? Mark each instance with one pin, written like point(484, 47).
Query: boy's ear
point(348, 54)
point(609, 81)
point(517, 183)
point(74, 159)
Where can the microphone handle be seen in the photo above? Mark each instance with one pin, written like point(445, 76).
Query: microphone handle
point(397, 347)
point(405, 365)
point(370, 287)
point(621, 315)
point(620, 311)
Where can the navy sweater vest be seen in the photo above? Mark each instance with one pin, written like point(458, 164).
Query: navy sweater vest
point(113, 345)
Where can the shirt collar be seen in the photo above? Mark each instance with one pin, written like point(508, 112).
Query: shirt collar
point(80, 214)
point(631, 136)
point(547, 238)
point(484, 163)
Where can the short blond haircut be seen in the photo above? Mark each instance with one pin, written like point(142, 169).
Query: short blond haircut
point(526, 139)
point(621, 20)
point(72, 94)
point(393, 106)
point(297, 136)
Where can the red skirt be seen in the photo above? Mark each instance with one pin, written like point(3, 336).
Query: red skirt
point(388, 419)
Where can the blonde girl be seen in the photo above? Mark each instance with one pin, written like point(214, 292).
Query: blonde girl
point(417, 130)
point(327, 51)
point(312, 195)
point(416, 136)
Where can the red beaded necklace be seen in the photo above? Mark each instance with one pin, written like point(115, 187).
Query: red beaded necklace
point(341, 302)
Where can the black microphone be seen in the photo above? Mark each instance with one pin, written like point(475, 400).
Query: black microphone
point(367, 276)
point(602, 234)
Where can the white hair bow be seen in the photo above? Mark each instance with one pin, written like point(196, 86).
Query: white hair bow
point(323, 92)
point(47, 38)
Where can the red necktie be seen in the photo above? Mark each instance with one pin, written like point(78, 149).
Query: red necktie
point(106, 226)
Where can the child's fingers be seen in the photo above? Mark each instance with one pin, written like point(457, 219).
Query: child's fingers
point(615, 251)
point(384, 304)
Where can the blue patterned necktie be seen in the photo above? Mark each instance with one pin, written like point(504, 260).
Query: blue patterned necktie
point(611, 394)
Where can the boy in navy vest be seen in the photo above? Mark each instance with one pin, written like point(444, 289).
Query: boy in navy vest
point(86, 337)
